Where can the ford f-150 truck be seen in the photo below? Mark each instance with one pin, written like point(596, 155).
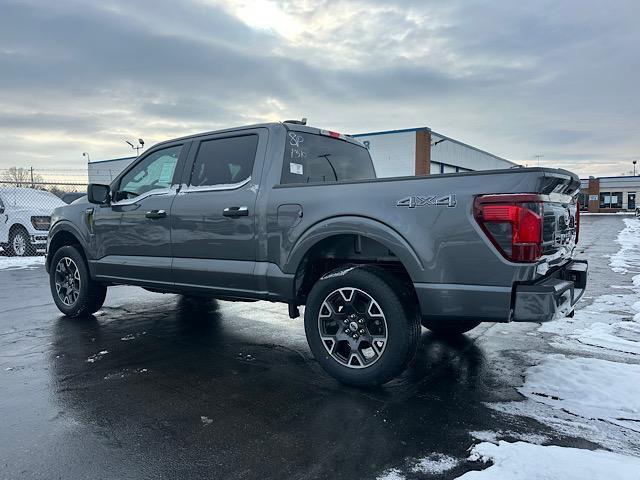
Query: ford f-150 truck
point(289, 213)
point(25, 215)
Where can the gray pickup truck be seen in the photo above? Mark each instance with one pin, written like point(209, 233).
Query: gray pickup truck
point(289, 213)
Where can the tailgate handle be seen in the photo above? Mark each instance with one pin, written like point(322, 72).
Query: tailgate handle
point(156, 214)
point(236, 212)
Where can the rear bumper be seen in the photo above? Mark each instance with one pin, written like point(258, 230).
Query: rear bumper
point(551, 297)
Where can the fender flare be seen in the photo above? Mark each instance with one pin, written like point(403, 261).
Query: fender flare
point(354, 225)
point(67, 227)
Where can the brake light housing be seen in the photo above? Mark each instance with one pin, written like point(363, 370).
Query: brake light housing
point(513, 223)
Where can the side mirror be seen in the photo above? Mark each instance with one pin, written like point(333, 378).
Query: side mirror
point(99, 194)
point(1, 210)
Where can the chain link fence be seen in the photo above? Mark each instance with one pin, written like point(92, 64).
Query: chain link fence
point(28, 196)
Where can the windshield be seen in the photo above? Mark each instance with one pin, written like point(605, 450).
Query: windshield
point(310, 158)
point(30, 199)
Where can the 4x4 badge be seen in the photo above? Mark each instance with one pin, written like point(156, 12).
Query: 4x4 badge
point(425, 200)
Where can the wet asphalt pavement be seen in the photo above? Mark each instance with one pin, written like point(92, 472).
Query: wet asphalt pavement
point(157, 386)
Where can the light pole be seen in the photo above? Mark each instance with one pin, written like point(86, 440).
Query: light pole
point(138, 147)
point(634, 168)
point(86, 154)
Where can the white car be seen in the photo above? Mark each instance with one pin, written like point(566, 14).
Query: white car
point(25, 218)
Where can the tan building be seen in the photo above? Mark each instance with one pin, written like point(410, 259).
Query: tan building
point(609, 194)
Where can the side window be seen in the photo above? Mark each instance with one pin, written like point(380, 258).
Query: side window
point(154, 172)
point(224, 161)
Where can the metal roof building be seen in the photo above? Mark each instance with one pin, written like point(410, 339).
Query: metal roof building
point(104, 171)
point(421, 151)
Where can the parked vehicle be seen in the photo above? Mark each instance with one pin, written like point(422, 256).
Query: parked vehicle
point(294, 214)
point(25, 217)
point(72, 196)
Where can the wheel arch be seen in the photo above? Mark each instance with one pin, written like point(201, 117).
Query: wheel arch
point(343, 241)
point(17, 226)
point(62, 235)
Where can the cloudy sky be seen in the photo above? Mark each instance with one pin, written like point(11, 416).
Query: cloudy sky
point(553, 78)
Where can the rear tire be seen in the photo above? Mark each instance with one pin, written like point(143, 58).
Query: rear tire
point(20, 244)
point(73, 290)
point(451, 328)
point(363, 301)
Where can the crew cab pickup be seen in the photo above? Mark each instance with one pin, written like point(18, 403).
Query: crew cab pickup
point(289, 213)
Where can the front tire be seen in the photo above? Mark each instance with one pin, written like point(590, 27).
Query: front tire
point(20, 243)
point(358, 328)
point(450, 328)
point(73, 290)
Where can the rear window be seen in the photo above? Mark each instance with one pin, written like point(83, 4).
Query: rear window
point(310, 158)
point(224, 161)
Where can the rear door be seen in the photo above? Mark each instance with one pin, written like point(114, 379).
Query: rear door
point(213, 223)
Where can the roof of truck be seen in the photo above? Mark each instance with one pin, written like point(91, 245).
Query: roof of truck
point(289, 126)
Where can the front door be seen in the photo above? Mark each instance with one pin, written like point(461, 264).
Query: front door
point(213, 217)
point(631, 201)
point(132, 235)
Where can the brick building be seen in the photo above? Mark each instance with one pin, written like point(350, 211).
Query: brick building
point(609, 194)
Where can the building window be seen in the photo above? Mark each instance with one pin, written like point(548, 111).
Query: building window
point(610, 199)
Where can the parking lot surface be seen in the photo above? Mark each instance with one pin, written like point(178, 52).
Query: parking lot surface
point(161, 386)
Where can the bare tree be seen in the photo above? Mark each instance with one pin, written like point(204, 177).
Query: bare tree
point(20, 177)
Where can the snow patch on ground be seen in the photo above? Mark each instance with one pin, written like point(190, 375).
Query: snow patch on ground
point(610, 322)
point(392, 474)
point(494, 437)
point(18, 263)
point(97, 356)
point(621, 337)
point(628, 257)
point(587, 387)
point(524, 461)
point(132, 336)
point(435, 464)
point(565, 423)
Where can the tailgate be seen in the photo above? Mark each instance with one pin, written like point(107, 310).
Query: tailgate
point(528, 227)
point(561, 219)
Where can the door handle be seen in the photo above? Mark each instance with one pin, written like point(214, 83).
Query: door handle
point(156, 214)
point(236, 211)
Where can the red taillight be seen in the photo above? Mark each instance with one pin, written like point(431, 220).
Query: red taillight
point(513, 223)
point(331, 134)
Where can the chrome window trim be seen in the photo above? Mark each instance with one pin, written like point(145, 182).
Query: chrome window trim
point(150, 193)
point(213, 188)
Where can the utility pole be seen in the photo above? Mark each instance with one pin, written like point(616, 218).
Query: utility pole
point(538, 157)
point(32, 185)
